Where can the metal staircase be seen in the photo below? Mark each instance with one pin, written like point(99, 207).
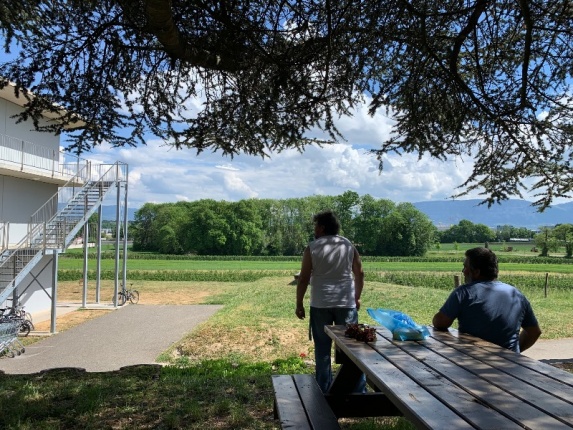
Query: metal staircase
point(54, 226)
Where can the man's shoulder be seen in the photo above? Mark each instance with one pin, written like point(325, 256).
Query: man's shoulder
point(503, 285)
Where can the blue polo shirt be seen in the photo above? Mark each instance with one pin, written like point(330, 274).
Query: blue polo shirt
point(491, 310)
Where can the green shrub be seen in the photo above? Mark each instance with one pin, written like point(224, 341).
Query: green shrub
point(440, 280)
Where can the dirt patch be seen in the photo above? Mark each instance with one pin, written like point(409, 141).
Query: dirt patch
point(565, 365)
point(72, 319)
point(150, 294)
point(259, 344)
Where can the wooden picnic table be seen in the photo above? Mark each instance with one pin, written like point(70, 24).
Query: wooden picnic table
point(450, 380)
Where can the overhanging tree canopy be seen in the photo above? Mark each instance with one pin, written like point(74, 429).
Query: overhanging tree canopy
point(488, 80)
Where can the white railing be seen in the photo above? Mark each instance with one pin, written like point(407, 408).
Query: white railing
point(64, 194)
point(23, 155)
point(93, 175)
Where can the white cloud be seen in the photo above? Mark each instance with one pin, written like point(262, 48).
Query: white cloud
point(226, 167)
point(159, 173)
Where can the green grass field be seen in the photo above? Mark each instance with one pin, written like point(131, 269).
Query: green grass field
point(219, 375)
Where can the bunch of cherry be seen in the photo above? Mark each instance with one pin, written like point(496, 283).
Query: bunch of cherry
point(361, 332)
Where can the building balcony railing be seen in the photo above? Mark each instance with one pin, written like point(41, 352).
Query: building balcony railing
point(27, 159)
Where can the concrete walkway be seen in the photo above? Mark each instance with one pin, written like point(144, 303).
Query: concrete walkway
point(552, 351)
point(132, 334)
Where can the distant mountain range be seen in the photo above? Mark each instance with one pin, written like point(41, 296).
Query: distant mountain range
point(444, 213)
point(518, 213)
point(108, 213)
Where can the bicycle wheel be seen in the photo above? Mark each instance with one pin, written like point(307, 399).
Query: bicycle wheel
point(25, 328)
point(120, 299)
point(134, 296)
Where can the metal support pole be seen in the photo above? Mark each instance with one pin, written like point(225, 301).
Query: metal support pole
point(125, 225)
point(98, 259)
point(85, 289)
point(54, 292)
point(22, 151)
point(15, 291)
point(117, 226)
point(54, 155)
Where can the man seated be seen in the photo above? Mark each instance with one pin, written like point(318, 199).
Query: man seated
point(488, 308)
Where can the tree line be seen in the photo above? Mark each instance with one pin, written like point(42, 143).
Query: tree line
point(547, 239)
point(377, 227)
point(279, 227)
point(468, 232)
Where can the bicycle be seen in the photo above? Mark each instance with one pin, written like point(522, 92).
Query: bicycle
point(124, 295)
point(19, 315)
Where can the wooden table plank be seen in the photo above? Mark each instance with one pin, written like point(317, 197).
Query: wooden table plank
point(414, 359)
point(553, 398)
point(318, 411)
point(513, 398)
point(289, 404)
point(547, 378)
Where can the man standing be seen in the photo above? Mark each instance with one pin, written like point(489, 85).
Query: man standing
point(488, 308)
point(328, 265)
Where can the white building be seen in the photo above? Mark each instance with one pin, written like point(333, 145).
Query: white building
point(46, 198)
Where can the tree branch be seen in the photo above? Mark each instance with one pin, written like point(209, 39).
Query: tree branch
point(160, 23)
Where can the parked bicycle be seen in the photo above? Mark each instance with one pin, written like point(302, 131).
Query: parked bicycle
point(127, 294)
point(20, 316)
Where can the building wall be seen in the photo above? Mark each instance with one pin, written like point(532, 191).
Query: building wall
point(24, 130)
point(20, 198)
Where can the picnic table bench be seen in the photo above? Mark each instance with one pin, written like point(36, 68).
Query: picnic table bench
point(300, 404)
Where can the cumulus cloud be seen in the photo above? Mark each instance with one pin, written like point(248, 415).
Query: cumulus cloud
point(159, 173)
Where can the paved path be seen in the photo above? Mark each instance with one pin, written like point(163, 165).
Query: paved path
point(132, 334)
point(551, 351)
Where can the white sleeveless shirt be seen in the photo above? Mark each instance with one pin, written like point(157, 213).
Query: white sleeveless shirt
point(331, 280)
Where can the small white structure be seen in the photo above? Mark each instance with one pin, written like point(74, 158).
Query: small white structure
point(46, 198)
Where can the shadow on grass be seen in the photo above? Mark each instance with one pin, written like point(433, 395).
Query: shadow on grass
point(217, 394)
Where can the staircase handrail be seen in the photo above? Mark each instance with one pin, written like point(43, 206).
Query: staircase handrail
point(37, 228)
point(51, 206)
point(111, 173)
point(24, 244)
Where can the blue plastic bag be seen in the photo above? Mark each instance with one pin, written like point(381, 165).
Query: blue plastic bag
point(402, 326)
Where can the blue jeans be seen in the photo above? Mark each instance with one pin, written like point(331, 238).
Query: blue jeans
point(319, 317)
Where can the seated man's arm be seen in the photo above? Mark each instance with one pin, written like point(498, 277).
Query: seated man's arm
point(441, 321)
point(528, 337)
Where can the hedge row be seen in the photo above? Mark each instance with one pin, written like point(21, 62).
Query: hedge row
point(445, 281)
point(448, 258)
point(178, 275)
